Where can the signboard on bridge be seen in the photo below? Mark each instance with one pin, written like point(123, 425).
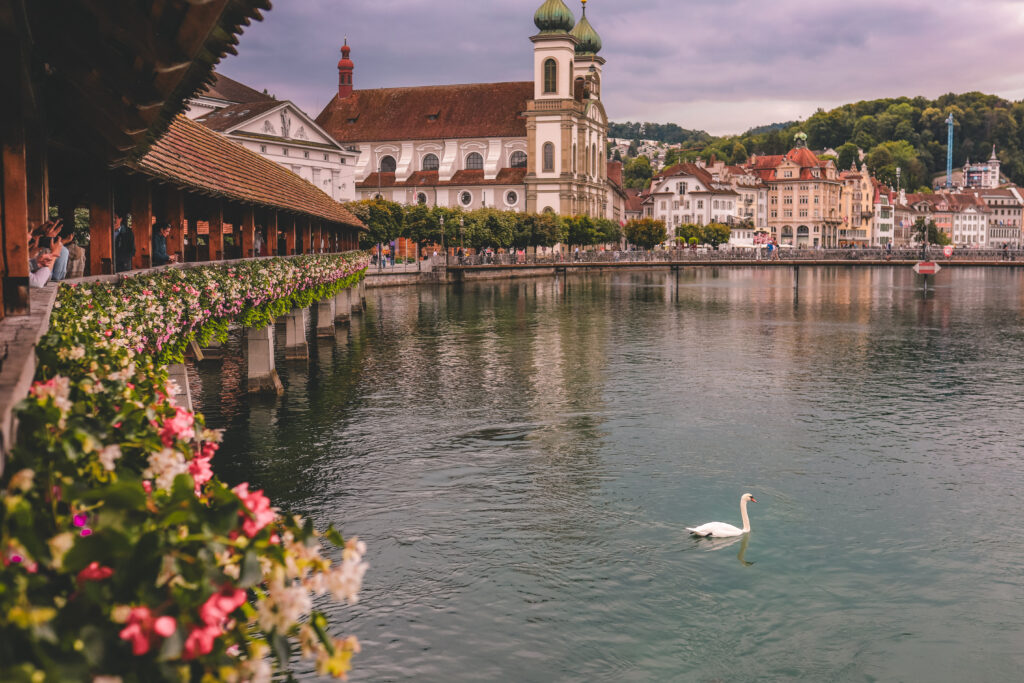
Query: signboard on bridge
point(927, 267)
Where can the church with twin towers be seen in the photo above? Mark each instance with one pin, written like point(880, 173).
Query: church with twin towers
point(530, 146)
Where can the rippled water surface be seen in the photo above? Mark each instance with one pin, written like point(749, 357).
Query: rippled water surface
point(522, 459)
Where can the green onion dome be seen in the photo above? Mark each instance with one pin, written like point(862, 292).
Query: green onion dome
point(589, 41)
point(554, 17)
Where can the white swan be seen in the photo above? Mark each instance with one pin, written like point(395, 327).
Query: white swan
point(719, 529)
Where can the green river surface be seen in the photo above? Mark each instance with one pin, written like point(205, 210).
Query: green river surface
point(522, 458)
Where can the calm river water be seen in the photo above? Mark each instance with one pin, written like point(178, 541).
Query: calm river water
point(522, 458)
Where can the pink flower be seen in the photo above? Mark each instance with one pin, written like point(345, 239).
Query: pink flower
point(199, 468)
point(220, 605)
point(141, 627)
point(178, 427)
point(200, 641)
point(258, 506)
point(94, 572)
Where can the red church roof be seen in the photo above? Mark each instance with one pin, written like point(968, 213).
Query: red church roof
point(479, 110)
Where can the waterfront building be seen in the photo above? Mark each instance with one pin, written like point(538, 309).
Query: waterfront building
point(985, 176)
point(537, 145)
point(856, 207)
point(689, 194)
point(1004, 219)
point(883, 219)
point(222, 92)
point(283, 133)
point(803, 196)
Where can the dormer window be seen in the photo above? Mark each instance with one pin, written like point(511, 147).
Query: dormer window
point(433, 117)
point(354, 119)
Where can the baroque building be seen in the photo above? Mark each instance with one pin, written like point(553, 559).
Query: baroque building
point(803, 196)
point(526, 146)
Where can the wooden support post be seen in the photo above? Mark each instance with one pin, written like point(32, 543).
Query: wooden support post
point(216, 236)
point(176, 217)
point(289, 236)
point(15, 192)
point(142, 222)
point(248, 229)
point(101, 229)
point(271, 232)
point(183, 395)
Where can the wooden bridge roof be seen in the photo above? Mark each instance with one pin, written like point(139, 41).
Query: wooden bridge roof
point(113, 74)
point(194, 158)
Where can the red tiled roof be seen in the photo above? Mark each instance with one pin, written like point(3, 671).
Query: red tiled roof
point(230, 90)
point(699, 173)
point(506, 176)
point(479, 110)
point(615, 172)
point(197, 159)
point(232, 115)
point(764, 167)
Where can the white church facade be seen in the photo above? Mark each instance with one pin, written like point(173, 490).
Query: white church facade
point(525, 146)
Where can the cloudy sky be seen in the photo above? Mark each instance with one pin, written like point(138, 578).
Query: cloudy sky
point(718, 65)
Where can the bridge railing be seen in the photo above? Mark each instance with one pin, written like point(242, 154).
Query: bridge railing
point(734, 254)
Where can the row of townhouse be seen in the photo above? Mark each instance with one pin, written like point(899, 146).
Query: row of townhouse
point(977, 218)
point(801, 199)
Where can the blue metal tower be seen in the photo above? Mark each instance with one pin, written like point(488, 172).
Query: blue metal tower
point(949, 153)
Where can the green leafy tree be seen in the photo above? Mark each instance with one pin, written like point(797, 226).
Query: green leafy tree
point(935, 236)
point(384, 219)
point(637, 172)
point(645, 232)
point(716, 234)
point(548, 230)
point(580, 230)
point(490, 228)
point(848, 154)
point(688, 231)
point(607, 231)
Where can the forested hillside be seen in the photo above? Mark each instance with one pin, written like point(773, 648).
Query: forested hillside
point(909, 132)
point(661, 132)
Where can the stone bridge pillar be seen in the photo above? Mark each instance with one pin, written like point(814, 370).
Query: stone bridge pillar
point(295, 347)
point(183, 396)
point(325, 318)
point(262, 374)
point(343, 305)
point(356, 293)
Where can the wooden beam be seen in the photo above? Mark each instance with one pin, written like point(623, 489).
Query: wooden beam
point(14, 201)
point(101, 229)
point(290, 236)
point(248, 228)
point(271, 232)
point(142, 221)
point(216, 236)
point(175, 200)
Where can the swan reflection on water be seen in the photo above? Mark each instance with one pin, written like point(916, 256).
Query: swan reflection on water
point(712, 544)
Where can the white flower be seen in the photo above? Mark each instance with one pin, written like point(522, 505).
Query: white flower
point(283, 606)
point(76, 352)
point(109, 455)
point(164, 466)
point(59, 546)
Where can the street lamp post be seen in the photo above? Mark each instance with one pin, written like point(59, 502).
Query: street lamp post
point(441, 218)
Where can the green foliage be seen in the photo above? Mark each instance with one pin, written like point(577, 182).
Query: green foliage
point(716, 234)
point(384, 219)
point(580, 230)
point(637, 172)
point(690, 233)
point(659, 132)
point(935, 236)
point(645, 232)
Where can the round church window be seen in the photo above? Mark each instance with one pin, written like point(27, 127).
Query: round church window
point(511, 198)
point(465, 198)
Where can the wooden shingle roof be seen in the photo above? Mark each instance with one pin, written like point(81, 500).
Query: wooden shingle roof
point(195, 158)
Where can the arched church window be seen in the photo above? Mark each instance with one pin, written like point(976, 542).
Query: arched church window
point(388, 164)
point(549, 157)
point(550, 76)
point(518, 160)
point(431, 163)
point(474, 162)
point(593, 159)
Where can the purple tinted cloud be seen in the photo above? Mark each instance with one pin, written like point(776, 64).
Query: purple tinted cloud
point(723, 65)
